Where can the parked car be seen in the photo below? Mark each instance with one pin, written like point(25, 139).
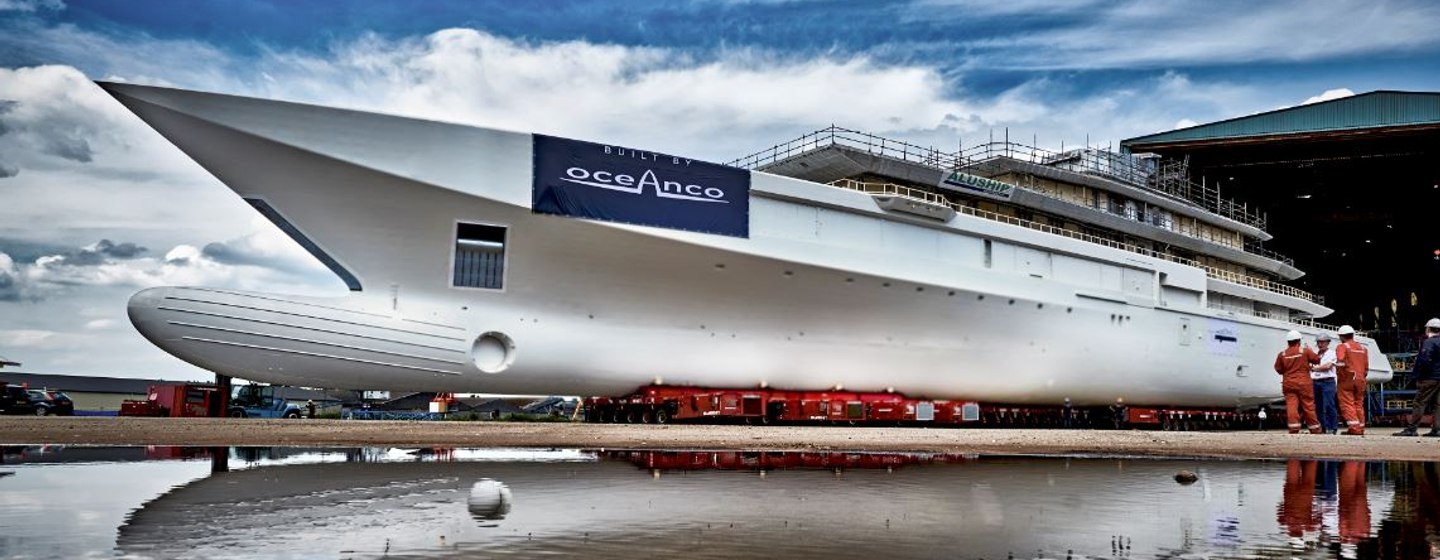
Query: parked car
point(14, 399)
point(52, 402)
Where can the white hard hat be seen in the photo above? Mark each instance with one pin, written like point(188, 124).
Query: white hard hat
point(1345, 329)
point(1292, 336)
point(1432, 324)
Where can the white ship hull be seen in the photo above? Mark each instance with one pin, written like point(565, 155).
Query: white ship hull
point(828, 289)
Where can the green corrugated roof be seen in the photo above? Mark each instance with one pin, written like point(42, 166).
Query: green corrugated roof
point(1376, 109)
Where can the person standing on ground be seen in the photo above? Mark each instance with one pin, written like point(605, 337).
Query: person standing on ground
point(310, 407)
point(1067, 414)
point(1293, 365)
point(1322, 377)
point(1352, 363)
point(1427, 382)
point(1118, 413)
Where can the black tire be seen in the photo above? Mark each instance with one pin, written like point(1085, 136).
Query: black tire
point(632, 417)
point(41, 411)
point(662, 416)
point(647, 416)
point(292, 414)
point(237, 413)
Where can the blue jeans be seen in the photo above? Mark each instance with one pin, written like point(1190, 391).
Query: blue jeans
point(1325, 404)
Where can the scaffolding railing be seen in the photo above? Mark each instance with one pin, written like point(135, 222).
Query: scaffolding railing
point(892, 189)
point(1169, 179)
point(1143, 173)
point(834, 135)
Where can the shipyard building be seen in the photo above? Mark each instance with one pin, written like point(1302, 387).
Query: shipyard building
point(1350, 188)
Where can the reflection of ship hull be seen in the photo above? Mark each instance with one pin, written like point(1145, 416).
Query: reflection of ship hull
point(986, 507)
point(829, 290)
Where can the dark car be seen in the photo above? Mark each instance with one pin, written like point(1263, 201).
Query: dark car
point(14, 399)
point(52, 402)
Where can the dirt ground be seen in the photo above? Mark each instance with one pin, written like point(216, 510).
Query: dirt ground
point(1376, 445)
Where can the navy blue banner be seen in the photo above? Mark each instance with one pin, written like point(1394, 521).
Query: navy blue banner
point(615, 184)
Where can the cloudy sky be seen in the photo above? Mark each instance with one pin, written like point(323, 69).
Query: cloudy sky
point(94, 205)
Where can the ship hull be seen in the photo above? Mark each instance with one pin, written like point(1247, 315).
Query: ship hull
point(827, 290)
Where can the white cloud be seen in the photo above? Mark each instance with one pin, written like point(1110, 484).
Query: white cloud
point(99, 324)
point(270, 266)
point(30, 5)
point(651, 97)
point(1143, 33)
point(27, 338)
point(1328, 95)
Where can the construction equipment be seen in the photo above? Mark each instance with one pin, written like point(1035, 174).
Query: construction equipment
point(177, 400)
point(260, 401)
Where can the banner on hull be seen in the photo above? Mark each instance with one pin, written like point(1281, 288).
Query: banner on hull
point(618, 184)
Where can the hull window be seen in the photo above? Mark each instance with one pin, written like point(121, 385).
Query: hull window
point(479, 256)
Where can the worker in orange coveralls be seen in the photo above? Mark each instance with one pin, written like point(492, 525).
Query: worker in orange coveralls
point(1354, 507)
point(1297, 505)
point(1352, 361)
point(1293, 364)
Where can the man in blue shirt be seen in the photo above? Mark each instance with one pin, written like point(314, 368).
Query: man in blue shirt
point(1322, 376)
point(1427, 381)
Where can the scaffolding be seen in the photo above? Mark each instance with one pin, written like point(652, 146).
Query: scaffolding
point(1165, 178)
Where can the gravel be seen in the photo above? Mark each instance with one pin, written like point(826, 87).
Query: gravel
point(1378, 445)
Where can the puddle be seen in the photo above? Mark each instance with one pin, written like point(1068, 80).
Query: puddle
point(169, 502)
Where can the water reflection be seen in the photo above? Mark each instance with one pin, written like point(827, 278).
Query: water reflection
point(489, 501)
point(362, 503)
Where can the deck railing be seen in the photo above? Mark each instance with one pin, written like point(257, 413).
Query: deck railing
point(834, 135)
point(1247, 247)
point(892, 189)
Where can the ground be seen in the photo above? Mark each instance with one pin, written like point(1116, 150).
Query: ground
point(1377, 445)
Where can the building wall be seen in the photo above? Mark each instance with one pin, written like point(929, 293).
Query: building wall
point(108, 402)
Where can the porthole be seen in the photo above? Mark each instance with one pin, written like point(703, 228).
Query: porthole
point(492, 352)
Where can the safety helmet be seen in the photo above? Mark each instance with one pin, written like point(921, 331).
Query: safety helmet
point(1432, 324)
point(1346, 330)
point(1322, 337)
point(1292, 336)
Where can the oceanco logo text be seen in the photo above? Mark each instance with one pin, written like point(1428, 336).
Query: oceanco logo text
point(630, 184)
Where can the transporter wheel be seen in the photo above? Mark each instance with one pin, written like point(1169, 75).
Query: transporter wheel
point(237, 413)
point(632, 417)
point(647, 416)
point(662, 416)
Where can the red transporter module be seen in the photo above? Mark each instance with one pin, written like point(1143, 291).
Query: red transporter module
point(662, 404)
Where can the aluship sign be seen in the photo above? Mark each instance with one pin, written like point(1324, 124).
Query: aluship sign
point(978, 185)
point(618, 184)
